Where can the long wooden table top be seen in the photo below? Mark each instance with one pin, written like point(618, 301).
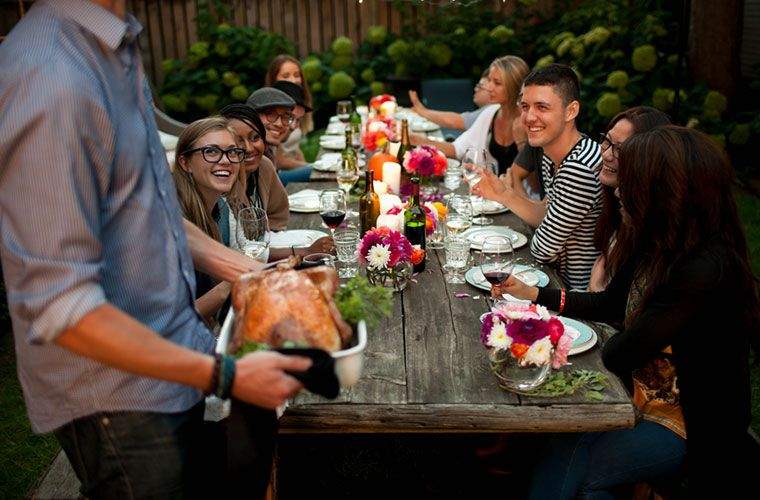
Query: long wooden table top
point(425, 369)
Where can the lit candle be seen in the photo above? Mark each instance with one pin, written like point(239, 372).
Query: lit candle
point(380, 187)
point(392, 176)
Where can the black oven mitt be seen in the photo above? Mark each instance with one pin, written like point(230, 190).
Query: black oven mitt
point(320, 377)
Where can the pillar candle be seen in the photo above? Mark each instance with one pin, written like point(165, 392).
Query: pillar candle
point(380, 187)
point(392, 176)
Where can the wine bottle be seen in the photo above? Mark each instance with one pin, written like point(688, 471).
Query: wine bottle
point(414, 222)
point(355, 123)
point(349, 153)
point(369, 204)
point(406, 144)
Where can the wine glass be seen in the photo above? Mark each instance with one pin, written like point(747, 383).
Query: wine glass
point(332, 208)
point(458, 214)
point(496, 259)
point(252, 233)
point(475, 161)
point(343, 110)
point(347, 175)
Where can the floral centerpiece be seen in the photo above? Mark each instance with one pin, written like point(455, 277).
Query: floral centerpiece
point(383, 105)
point(425, 162)
point(392, 213)
point(377, 133)
point(389, 257)
point(525, 341)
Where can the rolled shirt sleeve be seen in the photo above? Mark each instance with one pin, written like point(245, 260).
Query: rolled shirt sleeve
point(58, 148)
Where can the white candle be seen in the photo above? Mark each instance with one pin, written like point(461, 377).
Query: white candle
point(392, 176)
point(395, 222)
point(380, 187)
point(388, 201)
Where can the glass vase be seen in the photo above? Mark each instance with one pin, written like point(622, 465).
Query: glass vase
point(395, 278)
point(514, 377)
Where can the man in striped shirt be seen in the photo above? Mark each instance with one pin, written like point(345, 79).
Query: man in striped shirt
point(550, 103)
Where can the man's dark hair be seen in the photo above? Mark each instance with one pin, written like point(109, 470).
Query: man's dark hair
point(561, 77)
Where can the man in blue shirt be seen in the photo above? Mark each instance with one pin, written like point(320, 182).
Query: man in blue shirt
point(98, 262)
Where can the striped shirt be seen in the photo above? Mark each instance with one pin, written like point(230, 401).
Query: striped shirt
point(88, 211)
point(565, 237)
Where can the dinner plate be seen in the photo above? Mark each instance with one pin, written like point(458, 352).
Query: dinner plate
point(306, 201)
point(474, 276)
point(336, 128)
point(476, 235)
point(584, 337)
point(487, 207)
point(332, 141)
point(423, 126)
point(328, 162)
point(295, 238)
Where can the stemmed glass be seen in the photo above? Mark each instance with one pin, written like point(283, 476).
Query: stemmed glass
point(332, 208)
point(347, 175)
point(496, 259)
point(343, 110)
point(458, 214)
point(252, 233)
point(474, 161)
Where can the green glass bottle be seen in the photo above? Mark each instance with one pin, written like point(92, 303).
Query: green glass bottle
point(355, 123)
point(349, 153)
point(414, 222)
point(369, 204)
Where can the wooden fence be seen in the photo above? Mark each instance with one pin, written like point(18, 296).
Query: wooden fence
point(170, 26)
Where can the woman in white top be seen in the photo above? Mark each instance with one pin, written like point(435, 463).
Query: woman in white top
point(497, 128)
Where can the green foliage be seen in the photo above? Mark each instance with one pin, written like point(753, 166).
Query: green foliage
point(644, 58)
point(609, 104)
point(359, 300)
point(342, 46)
point(341, 85)
point(376, 35)
point(617, 79)
point(565, 383)
point(312, 69)
point(368, 75)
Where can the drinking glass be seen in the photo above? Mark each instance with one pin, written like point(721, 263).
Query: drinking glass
point(346, 242)
point(457, 255)
point(452, 179)
point(496, 259)
point(343, 110)
point(347, 175)
point(478, 160)
point(459, 214)
point(252, 233)
point(332, 208)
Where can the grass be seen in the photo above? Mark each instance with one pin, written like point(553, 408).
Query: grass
point(25, 456)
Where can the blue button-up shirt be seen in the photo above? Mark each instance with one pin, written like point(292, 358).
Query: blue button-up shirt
point(88, 210)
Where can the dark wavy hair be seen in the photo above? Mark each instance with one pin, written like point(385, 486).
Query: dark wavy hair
point(247, 115)
point(643, 118)
point(676, 189)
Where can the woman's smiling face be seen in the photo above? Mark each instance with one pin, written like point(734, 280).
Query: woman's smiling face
point(253, 144)
point(616, 136)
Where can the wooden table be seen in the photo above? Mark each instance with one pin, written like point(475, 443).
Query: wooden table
point(425, 370)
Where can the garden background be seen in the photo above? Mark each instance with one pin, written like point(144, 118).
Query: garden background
point(204, 54)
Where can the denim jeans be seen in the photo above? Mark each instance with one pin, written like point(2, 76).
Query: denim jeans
point(129, 455)
point(301, 174)
point(590, 465)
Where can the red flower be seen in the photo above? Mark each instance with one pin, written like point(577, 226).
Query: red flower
point(519, 350)
point(418, 255)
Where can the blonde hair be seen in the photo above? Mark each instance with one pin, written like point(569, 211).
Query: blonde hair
point(513, 71)
point(307, 123)
point(190, 199)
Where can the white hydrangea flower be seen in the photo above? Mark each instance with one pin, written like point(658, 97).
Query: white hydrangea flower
point(378, 256)
point(498, 338)
point(539, 353)
point(543, 313)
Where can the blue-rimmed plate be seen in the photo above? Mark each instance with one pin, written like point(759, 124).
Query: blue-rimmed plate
point(476, 235)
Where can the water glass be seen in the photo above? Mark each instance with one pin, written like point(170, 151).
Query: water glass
point(346, 242)
point(457, 255)
point(252, 233)
point(452, 179)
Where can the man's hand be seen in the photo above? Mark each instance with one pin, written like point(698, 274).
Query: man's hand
point(324, 244)
point(490, 187)
point(260, 378)
point(417, 105)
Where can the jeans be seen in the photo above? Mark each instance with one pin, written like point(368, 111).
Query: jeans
point(300, 174)
point(590, 465)
point(135, 454)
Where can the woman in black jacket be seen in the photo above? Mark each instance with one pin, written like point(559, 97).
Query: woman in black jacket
point(683, 287)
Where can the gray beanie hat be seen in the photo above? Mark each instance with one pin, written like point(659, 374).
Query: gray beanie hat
point(268, 97)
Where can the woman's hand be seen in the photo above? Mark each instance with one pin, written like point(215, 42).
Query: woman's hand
point(324, 244)
point(515, 288)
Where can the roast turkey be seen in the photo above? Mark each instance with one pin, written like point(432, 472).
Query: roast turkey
point(283, 304)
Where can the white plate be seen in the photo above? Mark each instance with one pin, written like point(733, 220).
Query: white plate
point(328, 162)
point(336, 128)
point(332, 141)
point(476, 235)
point(295, 237)
point(423, 126)
point(348, 362)
point(306, 201)
point(584, 337)
point(474, 276)
point(487, 207)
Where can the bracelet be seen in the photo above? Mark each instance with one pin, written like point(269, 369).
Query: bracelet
point(215, 375)
point(226, 377)
point(561, 301)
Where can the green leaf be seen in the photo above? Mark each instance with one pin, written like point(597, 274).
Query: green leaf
point(595, 395)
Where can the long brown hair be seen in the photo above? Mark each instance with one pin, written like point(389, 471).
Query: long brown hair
point(513, 71)
point(642, 118)
point(676, 191)
point(190, 199)
point(307, 123)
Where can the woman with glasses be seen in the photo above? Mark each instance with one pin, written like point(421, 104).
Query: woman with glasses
point(624, 125)
point(275, 108)
point(206, 167)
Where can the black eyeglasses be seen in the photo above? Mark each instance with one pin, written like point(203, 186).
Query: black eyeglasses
point(213, 154)
point(606, 143)
point(271, 118)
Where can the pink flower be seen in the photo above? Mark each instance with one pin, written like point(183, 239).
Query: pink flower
point(556, 329)
point(425, 161)
point(564, 345)
point(527, 331)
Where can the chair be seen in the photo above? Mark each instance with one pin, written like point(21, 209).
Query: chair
point(448, 94)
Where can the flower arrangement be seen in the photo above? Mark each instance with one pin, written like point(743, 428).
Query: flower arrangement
point(425, 161)
point(388, 255)
point(394, 216)
point(377, 102)
point(528, 332)
point(377, 133)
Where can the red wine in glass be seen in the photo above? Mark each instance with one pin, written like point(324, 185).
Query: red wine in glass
point(496, 277)
point(333, 218)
